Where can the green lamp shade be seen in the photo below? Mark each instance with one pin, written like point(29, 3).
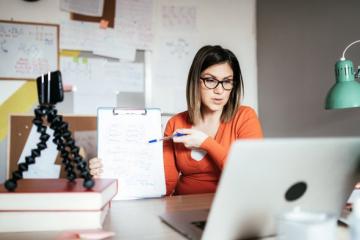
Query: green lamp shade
point(346, 91)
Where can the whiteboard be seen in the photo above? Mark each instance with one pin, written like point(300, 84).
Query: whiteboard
point(28, 50)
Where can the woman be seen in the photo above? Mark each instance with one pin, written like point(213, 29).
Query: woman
point(213, 121)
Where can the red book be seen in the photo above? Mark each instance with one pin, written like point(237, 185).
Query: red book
point(58, 195)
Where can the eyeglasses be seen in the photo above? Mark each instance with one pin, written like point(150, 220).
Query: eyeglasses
point(212, 83)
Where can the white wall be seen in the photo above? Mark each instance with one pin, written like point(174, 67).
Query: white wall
point(230, 23)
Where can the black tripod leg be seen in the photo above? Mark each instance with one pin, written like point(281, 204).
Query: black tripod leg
point(40, 112)
point(62, 137)
point(64, 140)
point(56, 125)
point(82, 166)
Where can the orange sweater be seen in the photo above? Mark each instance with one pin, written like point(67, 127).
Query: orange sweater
point(184, 174)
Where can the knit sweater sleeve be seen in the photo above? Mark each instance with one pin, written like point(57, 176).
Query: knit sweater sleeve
point(247, 126)
point(171, 171)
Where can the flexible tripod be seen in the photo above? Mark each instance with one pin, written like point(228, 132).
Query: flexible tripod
point(69, 152)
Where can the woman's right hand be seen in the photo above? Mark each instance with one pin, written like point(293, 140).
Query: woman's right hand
point(95, 167)
point(193, 138)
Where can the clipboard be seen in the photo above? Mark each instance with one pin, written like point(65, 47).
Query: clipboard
point(127, 155)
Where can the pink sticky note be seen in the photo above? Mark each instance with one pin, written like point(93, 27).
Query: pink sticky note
point(85, 235)
point(104, 23)
point(67, 87)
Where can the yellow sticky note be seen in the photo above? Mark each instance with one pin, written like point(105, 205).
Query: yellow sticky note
point(69, 53)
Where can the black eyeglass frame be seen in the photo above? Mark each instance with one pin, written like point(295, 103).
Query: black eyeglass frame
point(217, 84)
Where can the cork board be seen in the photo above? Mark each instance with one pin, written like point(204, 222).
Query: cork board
point(20, 126)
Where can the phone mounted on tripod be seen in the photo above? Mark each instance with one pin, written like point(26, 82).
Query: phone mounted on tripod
point(50, 92)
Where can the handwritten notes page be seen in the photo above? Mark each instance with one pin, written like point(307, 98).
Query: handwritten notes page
point(181, 18)
point(134, 19)
point(98, 81)
point(126, 154)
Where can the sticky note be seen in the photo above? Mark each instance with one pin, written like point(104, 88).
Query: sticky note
point(69, 53)
point(104, 23)
point(76, 59)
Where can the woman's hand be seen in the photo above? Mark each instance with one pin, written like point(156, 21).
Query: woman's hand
point(95, 166)
point(193, 138)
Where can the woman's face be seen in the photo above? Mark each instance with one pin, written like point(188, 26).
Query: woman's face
point(214, 99)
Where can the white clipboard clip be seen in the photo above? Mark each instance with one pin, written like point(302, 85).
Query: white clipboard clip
point(122, 111)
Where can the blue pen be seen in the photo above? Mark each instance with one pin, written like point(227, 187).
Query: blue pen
point(167, 138)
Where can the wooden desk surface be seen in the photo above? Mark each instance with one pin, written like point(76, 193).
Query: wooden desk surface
point(138, 219)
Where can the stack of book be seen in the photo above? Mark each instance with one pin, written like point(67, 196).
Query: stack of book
point(55, 205)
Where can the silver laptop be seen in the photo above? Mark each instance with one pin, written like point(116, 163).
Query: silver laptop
point(264, 178)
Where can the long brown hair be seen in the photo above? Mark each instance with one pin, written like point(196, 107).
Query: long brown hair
point(204, 58)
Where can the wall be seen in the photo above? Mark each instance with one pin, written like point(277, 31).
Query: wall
point(230, 23)
point(298, 44)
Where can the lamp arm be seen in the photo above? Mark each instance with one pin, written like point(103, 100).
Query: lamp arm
point(343, 55)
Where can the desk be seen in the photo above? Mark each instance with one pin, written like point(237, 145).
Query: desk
point(138, 219)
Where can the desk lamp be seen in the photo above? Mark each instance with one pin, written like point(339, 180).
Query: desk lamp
point(346, 91)
point(50, 92)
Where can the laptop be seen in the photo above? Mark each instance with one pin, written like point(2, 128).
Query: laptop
point(264, 178)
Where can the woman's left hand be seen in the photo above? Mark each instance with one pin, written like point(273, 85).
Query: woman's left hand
point(193, 138)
